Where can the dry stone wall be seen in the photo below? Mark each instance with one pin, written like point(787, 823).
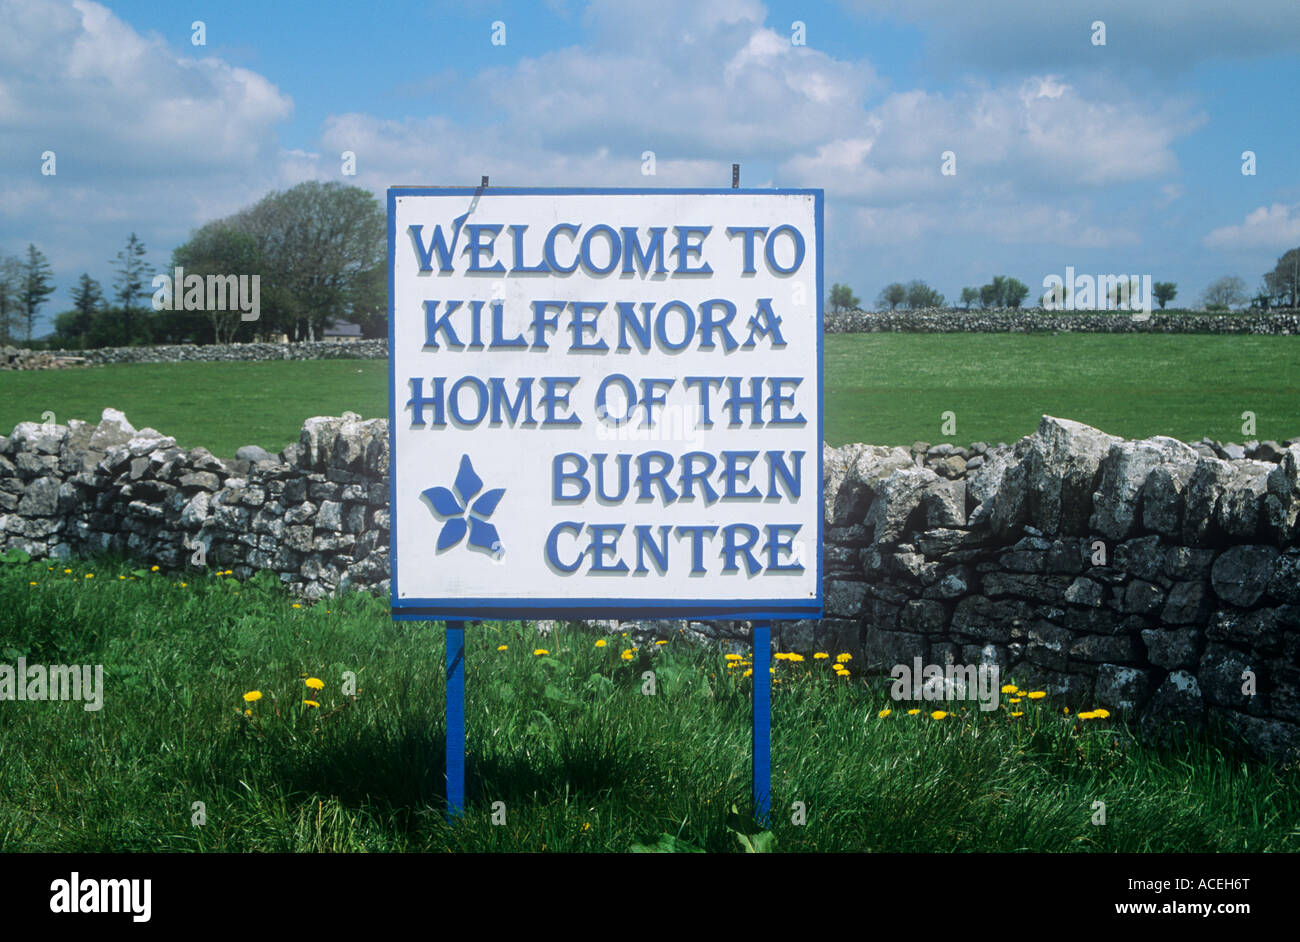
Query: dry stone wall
point(1151, 576)
point(933, 320)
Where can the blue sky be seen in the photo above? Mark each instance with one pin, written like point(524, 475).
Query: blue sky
point(1123, 158)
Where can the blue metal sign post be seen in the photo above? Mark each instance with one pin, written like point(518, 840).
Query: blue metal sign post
point(455, 720)
point(762, 723)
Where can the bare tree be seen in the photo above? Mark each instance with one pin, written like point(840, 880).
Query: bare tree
point(1224, 293)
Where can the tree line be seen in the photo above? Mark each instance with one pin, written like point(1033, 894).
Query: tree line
point(1280, 288)
point(319, 249)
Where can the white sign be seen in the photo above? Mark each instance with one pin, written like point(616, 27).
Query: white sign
point(605, 403)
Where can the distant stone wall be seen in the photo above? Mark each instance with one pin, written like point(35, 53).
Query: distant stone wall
point(951, 320)
point(947, 320)
point(226, 352)
point(1151, 576)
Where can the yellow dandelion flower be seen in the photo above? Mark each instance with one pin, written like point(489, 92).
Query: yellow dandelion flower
point(601, 643)
point(731, 657)
point(1016, 699)
point(67, 570)
point(184, 584)
point(1018, 713)
point(1037, 694)
point(820, 656)
point(661, 642)
point(938, 714)
point(310, 703)
point(315, 683)
point(1100, 713)
point(1008, 688)
point(153, 568)
point(295, 604)
point(502, 647)
point(913, 712)
point(123, 578)
point(1086, 715)
point(779, 656)
point(1019, 692)
point(749, 673)
point(586, 825)
point(1065, 710)
point(794, 658)
point(90, 575)
point(884, 713)
point(252, 695)
point(540, 651)
point(627, 655)
point(842, 658)
point(31, 583)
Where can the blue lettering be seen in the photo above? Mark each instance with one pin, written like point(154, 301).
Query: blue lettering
point(768, 252)
point(554, 396)
point(697, 535)
point(615, 250)
point(775, 544)
point(433, 324)
point(480, 391)
point(778, 468)
point(659, 551)
point(604, 539)
point(685, 248)
point(730, 547)
point(474, 247)
point(748, 232)
point(517, 234)
point(580, 325)
point(523, 402)
point(648, 476)
point(734, 473)
point(552, 549)
point(559, 476)
point(418, 401)
point(632, 250)
point(627, 318)
point(554, 265)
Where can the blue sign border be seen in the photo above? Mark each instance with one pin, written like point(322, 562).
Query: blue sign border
point(581, 608)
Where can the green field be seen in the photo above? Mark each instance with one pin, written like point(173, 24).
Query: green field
point(582, 759)
point(881, 388)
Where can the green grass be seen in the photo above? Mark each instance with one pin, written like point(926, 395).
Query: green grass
point(887, 389)
point(894, 388)
point(880, 388)
point(220, 406)
point(580, 757)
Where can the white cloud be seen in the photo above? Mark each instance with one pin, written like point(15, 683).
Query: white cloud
point(1041, 134)
point(1268, 227)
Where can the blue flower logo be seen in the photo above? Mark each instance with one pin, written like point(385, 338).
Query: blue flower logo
point(464, 517)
